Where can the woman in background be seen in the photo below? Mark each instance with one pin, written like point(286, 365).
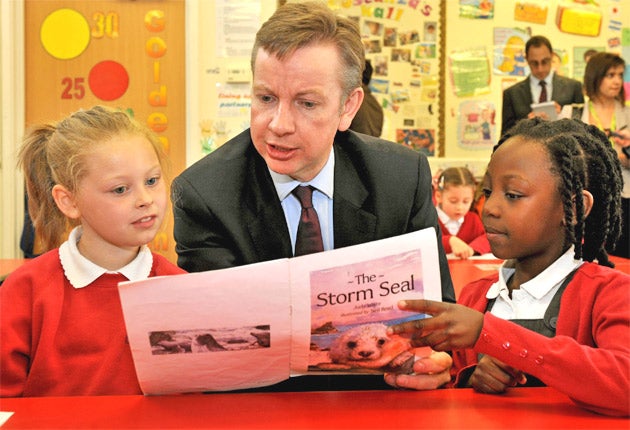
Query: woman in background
point(605, 108)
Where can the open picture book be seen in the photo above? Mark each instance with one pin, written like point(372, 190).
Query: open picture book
point(256, 325)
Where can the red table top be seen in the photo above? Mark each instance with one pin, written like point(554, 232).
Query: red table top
point(465, 271)
point(531, 408)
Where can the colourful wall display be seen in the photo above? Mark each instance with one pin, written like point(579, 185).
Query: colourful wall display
point(127, 55)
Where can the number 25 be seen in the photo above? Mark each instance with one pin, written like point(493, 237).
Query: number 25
point(73, 88)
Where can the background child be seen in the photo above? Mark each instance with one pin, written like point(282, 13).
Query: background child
point(62, 331)
point(542, 182)
point(462, 230)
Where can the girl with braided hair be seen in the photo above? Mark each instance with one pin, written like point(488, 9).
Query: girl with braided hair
point(552, 205)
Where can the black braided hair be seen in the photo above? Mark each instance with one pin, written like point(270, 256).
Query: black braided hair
point(583, 159)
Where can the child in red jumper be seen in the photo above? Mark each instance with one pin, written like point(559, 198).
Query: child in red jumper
point(62, 331)
point(462, 231)
point(552, 207)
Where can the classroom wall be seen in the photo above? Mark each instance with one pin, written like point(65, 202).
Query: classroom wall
point(477, 54)
point(449, 89)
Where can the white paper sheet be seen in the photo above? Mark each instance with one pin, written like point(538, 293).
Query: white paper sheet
point(229, 305)
point(4, 416)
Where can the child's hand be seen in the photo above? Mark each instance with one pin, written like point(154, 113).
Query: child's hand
point(452, 326)
point(492, 376)
point(460, 248)
point(429, 373)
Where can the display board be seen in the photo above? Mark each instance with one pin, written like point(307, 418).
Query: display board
point(401, 38)
point(484, 54)
point(464, 81)
point(124, 54)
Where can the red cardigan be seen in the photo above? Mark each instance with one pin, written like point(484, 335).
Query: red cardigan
point(56, 340)
point(471, 232)
point(588, 359)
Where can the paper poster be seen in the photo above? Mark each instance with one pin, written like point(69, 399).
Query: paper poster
point(477, 124)
point(418, 139)
point(529, 11)
point(476, 9)
point(578, 18)
point(509, 52)
point(470, 72)
point(580, 55)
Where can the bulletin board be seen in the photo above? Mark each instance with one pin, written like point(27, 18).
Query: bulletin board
point(401, 38)
point(128, 55)
point(479, 68)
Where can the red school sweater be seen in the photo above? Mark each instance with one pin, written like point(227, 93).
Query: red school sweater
point(471, 232)
point(588, 359)
point(56, 340)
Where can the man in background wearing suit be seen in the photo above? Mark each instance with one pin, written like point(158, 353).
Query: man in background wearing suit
point(518, 98)
point(236, 207)
point(369, 117)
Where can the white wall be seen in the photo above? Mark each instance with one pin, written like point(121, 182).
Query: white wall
point(11, 125)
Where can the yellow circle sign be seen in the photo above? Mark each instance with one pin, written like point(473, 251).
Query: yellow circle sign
point(65, 34)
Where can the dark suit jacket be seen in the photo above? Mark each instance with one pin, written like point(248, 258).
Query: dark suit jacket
point(518, 98)
point(227, 212)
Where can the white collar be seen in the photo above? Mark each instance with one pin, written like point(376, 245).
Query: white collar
point(446, 219)
point(81, 272)
point(324, 181)
point(540, 285)
point(548, 80)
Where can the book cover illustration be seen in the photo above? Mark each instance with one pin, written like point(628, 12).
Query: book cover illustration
point(351, 307)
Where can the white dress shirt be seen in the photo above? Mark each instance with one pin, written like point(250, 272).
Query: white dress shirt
point(534, 84)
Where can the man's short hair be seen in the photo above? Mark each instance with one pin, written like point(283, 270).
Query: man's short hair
point(297, 25)
point(536, 42)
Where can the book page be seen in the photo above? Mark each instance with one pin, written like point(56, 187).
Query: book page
point(210, 331)
point(349, 296)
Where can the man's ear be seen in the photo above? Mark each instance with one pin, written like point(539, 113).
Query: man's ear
point(350, 108)
point(65, 201)
point(588, 202)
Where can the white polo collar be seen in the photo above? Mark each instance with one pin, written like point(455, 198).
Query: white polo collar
point(81, 272)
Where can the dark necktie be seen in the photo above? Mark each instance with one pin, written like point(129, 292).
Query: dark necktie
point(309, 234)
point(543, 92)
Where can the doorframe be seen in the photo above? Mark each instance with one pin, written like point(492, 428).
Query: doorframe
point(12, 105)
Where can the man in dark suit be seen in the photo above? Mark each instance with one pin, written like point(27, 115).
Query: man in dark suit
point(236, 206)
point(369, 117)
point(518, 98)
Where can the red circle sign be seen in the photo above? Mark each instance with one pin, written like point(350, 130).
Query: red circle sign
point(108, 80)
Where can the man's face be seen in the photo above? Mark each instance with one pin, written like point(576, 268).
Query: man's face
point(297, 109)
point(539, 61)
